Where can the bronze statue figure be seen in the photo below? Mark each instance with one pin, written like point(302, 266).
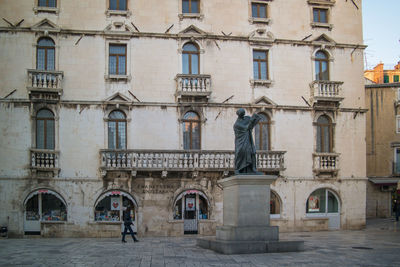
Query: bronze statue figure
point(245, 151)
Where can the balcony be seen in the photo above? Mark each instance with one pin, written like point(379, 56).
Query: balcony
point(44, 84)
point(327, 92)
point(193, 87)
point(325, 164)
point(194, 161)
point(44, 161)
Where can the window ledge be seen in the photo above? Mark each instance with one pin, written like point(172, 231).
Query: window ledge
point(115, 77)
point(266, 83)
point(260, 20)
point(126, 13)
point(321, 2)
point(191, 16)
point(38, 9)
point(321, 25)
point(106, 222)
point(54, 222)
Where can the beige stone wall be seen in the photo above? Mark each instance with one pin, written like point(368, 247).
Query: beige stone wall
point(226, 41)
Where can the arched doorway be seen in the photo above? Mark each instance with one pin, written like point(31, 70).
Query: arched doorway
point(43, 205)
point(324, 203)
point(191, 206)
point(111, 206)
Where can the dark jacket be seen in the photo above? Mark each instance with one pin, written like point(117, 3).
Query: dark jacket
point(127, 218)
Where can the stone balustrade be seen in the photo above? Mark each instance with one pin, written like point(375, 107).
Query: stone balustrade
point(44, 159)
point(193, 84)
point(327, 89)
point(326, 162)
point(184, 160)
point(44, 79)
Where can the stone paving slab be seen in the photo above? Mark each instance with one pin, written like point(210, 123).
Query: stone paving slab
point(377, 245)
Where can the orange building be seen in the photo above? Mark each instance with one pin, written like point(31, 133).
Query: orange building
point(379, 75)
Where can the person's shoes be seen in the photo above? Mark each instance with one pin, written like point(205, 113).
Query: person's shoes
point(135, 240)
point(123, 241)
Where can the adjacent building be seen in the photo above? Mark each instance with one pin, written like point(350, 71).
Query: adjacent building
point(379, 75)
point(116, 103)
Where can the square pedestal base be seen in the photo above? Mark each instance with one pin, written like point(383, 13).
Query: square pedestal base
point(248, 233)
point(249, 247)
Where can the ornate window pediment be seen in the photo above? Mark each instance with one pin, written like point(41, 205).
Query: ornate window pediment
point(261, 37)
point(263, 100)
point(323, 40)
point(118, 27)
point(46, 25)
point(192, 31)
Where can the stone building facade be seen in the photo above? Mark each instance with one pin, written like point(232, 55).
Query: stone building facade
point(383, 148)
point(116, 103)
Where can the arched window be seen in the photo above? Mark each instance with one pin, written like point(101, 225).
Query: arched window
point(324, 134)
point(45, 129)
point(117, 130)
point(112, 205)
point(191, 130)
point(274, 205)
point(262, 133)
point(45, 205)
point(190, 59)
point(45, 54)
point(321, 66)
point(190, 205)
point(322, 201)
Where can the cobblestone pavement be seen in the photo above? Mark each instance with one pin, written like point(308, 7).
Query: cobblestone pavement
point(377, 245)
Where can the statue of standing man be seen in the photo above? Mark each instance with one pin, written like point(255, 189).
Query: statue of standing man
point(245, 151)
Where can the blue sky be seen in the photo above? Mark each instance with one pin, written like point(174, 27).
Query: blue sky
point(381, 32)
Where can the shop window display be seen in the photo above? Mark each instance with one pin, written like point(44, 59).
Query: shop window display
point(275, 207)
point(189, 204)
point(112, 208)
point(45, 205)
point(322, 201)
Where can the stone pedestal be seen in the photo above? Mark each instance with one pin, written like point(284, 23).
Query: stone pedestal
point(246, 219)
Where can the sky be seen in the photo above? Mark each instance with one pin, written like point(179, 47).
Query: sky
point(381, 32)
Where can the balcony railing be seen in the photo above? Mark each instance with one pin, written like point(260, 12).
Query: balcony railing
point(327, 90)
point(44, 159)
point(193, 85)
point(184, 160)
point(44, 80)
point(326, 163)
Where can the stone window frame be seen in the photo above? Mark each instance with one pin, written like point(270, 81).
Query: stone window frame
point(201, 54)
point(125, 13)
point(117, 77)
point(321, 4)
point(398, 124)
point(200, 113)
point(198, 16)
point(270, 124)
point(43, 9)
point(56, 48)
point(107, 111)
point(180, 193)
point(255, 20)
point(53, 108)
point(332, 118)
point(323, 214)
point(330, 60)
point(279, 199)
point(269, 81)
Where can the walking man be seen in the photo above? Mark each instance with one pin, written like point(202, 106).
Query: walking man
point(127, 225)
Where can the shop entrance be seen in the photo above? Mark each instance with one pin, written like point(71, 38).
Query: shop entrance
point(191, 206)
point(43, 205)
point(324, 203)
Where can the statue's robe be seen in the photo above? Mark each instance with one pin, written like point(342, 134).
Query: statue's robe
point(245, 151)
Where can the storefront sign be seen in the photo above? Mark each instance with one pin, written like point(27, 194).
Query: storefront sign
point(116, 193)
point(43, 191)
point(115, 205)
point(313, 203)
point(190, 204)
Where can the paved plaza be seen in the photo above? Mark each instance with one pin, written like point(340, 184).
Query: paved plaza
point(377, 245)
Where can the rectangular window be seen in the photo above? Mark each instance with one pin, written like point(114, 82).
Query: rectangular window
point(397, 160)
point(320, 15)
point(47, 3)
point(260, 65)
point(118, 5)
point(385, 79)
point(117, 59)
point(398, 124)
point(190, 6)
point(259, 10)
point(396, 78)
